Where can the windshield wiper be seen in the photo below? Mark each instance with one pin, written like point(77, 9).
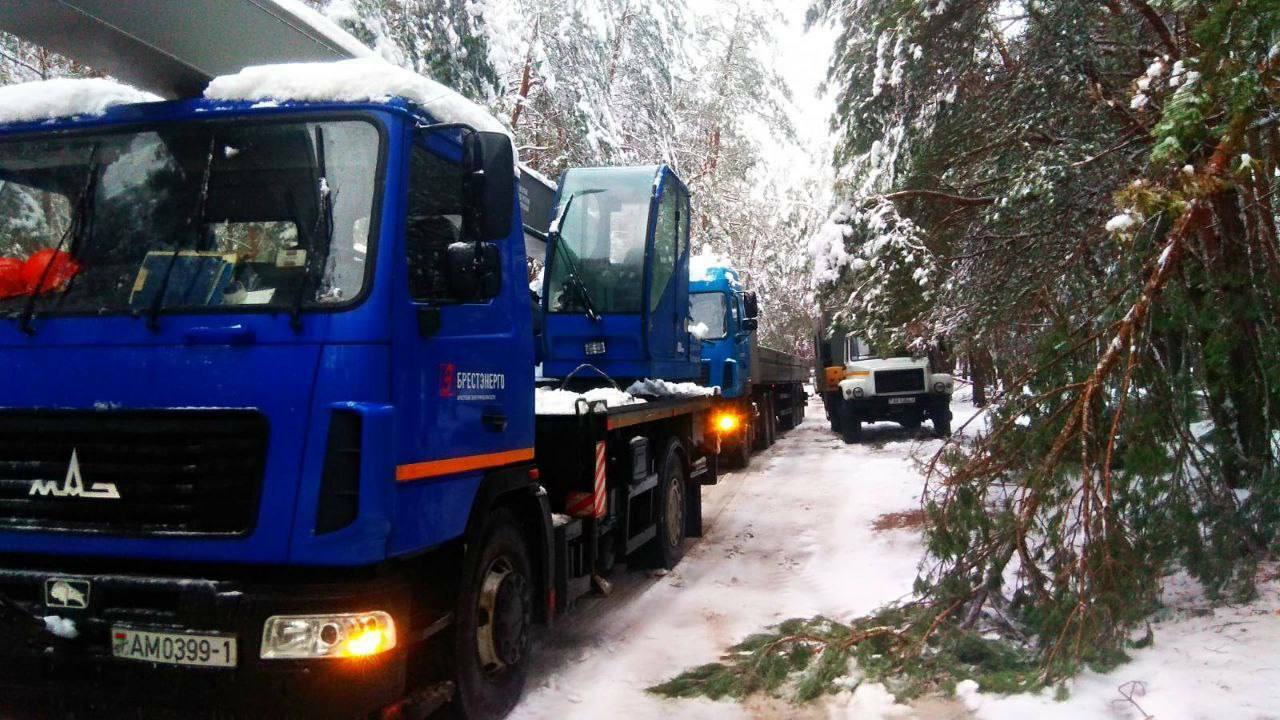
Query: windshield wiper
point(574, 279)
point(157, 301)
point(78, 220)
point(321, 252)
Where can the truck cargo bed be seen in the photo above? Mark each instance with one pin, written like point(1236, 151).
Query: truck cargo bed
point(621, 416)
point(774, 367)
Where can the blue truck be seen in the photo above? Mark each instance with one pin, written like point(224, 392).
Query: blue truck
point(268, 436)
point(762, 389)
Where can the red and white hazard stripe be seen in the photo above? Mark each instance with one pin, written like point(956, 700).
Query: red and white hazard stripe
point(592, 504)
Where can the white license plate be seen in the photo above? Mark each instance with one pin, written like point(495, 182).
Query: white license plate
point(201, 649)
point(902, 401)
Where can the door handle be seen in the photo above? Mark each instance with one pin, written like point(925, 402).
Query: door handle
point(494, 419)
point(228, 335)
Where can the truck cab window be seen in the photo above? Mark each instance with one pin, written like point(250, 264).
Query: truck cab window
point(602, 240)
point(434, 222)
point(709, 308)
point(664, 244)
point(191, 217)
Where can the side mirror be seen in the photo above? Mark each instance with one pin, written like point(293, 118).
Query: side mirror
point(475, 271)
point(490, 163)
point(751, 305)
point(750, 324)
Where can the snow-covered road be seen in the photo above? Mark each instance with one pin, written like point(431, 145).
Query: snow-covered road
point(791, 536)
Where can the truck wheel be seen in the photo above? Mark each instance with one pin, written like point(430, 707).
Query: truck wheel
point(760, 428)
point(740, 454)
point(667, 547)
point(493, 621)
point(770, 423)
point(788, 419)
point(850, 424)
point(942, 423)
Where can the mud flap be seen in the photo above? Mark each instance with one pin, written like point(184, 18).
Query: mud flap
point(693, 509)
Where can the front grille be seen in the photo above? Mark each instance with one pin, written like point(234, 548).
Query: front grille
point(192, 472)
point(899, 381)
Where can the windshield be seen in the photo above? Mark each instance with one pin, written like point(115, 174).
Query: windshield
point(602, 237)
point(709, 309)
point(187, 217)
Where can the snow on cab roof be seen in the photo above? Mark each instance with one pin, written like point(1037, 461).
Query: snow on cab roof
point(365, 79)
point(707, 266)
point(65, 97)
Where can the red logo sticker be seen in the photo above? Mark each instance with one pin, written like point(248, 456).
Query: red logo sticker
point(447, 373)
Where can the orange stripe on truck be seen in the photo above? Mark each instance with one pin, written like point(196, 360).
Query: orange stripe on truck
point(466, 463)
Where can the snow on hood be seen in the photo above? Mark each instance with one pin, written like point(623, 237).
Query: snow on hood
point(365, 79)
point(65, 97)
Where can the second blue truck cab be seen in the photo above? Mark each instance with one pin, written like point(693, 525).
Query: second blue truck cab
point(617, 284)
point(761, 389)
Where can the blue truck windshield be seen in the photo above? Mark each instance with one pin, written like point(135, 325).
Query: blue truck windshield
point(709, 309)
point(602, 239)
point(180, 217)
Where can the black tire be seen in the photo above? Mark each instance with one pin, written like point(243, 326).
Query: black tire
point(850, 424)
point(494, 616)
point(667, 547)
point(739, 457)
point(942, 423)
point(770, 423)
point(787, 420)
point(760, 427)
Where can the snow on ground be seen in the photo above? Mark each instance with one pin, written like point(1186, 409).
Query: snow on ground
point(65, 97)
point(1205, 663)
point(791, 536)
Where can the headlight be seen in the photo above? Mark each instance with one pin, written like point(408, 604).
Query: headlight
point(857, 392)
point(727, 423)
point(939, 387)
point(348, 635)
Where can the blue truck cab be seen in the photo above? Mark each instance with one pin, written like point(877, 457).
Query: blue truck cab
point(616, 285)
point(268, 368)
point(725, 316)
point(761, 389)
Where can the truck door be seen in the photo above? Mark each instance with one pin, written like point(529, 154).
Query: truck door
point(669, 274)
point(463, 367)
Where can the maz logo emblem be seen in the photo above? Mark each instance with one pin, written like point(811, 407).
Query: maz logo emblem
point(66, 593)
point(73, 485)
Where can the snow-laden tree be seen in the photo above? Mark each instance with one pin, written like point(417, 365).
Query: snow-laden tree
point(443, 39)
point(1078, 195)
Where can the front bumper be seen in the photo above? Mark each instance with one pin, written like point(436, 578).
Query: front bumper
point(883, 407)
point(44, 676)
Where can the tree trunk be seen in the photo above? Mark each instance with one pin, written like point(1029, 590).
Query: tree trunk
point(980, 375)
